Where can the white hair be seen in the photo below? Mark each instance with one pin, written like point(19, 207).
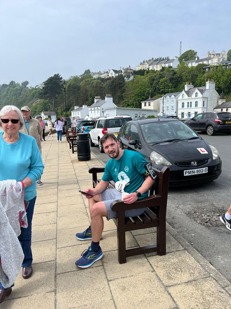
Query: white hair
point(8, 108)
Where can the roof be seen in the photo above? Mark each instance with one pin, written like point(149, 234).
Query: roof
point(49, 113)
point(224, 105)
point(191, 90)
point(175, 94)
point(98, 103)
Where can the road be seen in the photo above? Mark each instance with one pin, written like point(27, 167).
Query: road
point(194, 212)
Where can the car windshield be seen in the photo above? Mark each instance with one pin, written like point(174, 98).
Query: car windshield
point(169, 131)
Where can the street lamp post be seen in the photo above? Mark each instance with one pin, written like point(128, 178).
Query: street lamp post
point(65, 97)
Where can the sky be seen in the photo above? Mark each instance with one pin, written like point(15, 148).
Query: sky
point(40, 38)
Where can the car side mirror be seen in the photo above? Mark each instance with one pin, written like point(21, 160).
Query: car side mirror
point(132, 142)
point(135, 143)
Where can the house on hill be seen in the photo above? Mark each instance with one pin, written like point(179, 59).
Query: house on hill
point(223, 107)
point(97, 109)
point(51, 115)
point(194, 100)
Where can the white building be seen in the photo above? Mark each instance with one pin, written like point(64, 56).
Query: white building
point(151, 104)
point(193, 100)
point(169, 104)
point(98, 108)
point(223, 107)
point(135, 113)
point(51, 115)
point(80, 112)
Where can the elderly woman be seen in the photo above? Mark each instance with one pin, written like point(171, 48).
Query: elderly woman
point(20, 160)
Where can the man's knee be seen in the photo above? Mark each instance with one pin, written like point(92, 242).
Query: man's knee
point(98, 209)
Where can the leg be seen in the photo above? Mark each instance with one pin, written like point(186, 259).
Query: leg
point(97, 212)
point(226, 218)
point(26, 235)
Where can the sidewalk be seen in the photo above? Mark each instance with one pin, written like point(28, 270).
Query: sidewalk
point(182, 279)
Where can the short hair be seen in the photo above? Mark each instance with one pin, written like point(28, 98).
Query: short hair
point(106, 137)
point(8, 108)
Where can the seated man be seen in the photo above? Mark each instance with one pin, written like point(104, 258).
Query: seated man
point(127, 169)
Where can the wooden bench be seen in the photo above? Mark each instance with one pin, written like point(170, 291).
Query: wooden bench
point(72, 141)
point(154, 216)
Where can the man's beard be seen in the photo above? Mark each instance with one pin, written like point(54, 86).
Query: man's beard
point(114, 154)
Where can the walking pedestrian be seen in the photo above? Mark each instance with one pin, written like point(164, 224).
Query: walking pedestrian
point(20, 160)
point(59, 129)
point(32, 127)
point(50, 126)
point(43, 126)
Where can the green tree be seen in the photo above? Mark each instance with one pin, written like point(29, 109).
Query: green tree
point(52, 88)
point(229, 55)
point(188, 55)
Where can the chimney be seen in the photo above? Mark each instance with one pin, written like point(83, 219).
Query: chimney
point(210, 84)
point(188, 86)
point(108, 98)
point(97, 99)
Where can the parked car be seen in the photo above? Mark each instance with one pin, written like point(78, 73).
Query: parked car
point(85, 126)
point(211, 122)
point(169, 142)
point(106, 125)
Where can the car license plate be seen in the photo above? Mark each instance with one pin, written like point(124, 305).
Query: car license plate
point(228, 122)
point(196, 171)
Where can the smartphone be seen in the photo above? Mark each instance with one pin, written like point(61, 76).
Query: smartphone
point(85, 193)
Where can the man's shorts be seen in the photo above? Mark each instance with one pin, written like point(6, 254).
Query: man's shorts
point(111, 195)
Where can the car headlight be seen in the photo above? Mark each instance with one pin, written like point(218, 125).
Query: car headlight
point(214, 152)
point(158, 159)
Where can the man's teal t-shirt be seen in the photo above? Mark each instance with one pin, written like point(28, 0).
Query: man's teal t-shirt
point(130, 168)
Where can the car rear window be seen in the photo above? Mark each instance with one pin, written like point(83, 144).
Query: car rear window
point(113, 123)
point(224, 115)
point(87, 123)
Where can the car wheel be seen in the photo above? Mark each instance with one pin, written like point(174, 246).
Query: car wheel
point(100, 147)
point(210, 130)
point(92, 144)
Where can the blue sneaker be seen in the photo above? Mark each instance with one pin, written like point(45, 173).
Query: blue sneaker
point(85, 235)
point(89, 257)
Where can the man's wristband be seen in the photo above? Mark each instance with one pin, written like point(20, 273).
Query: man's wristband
point(138, 194)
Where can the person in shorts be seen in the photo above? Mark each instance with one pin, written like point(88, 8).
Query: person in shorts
point(226, 218)
point(127, 169)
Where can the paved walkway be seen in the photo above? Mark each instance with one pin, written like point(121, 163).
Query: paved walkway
point(181, 279)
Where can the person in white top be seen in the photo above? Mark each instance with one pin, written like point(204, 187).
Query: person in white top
point(59, 129)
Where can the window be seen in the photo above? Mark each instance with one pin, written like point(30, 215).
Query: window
point(196, 103)
point(190, 104)
point(134, 133)
point(195, 114)
point(199, 116)
point(187, 104)
point(196, 94)
point(189, 114)
point(203, 103)
point(182, 115)
point(182, 104)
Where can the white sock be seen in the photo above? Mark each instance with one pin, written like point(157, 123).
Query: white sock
point(227, 216)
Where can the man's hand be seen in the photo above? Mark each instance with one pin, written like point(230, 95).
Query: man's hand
point(130, 198)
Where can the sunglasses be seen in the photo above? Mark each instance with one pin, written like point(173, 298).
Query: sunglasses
point(11, 120)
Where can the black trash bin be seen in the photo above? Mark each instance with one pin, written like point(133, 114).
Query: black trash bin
point(83, 147)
